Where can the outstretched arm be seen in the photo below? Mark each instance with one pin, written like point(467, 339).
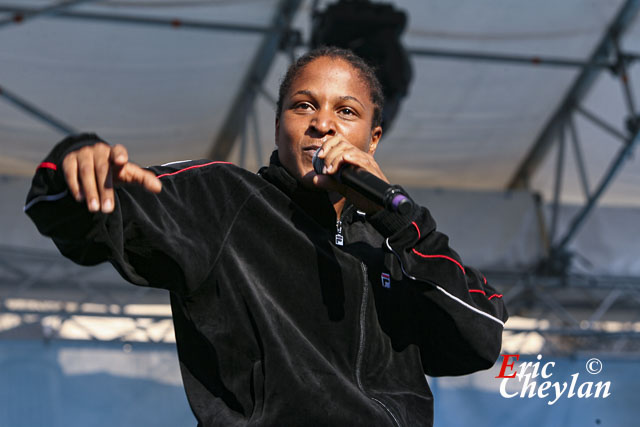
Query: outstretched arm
point(97, 206)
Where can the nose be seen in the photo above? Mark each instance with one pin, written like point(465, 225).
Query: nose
point(323, 123)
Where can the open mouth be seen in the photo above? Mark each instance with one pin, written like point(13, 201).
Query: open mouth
point(310, 151)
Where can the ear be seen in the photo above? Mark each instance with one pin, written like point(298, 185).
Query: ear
point(376, 134)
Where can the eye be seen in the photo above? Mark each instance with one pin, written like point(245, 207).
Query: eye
point(347, 111)
point(303, 106)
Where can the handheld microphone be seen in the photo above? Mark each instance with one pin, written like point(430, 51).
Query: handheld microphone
point(370, 186)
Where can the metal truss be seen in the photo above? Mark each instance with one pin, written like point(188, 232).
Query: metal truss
point(235, 120)
point(606, 56)
point(581, 86)
point(36, 112)
point(275, 37)
point(59, 10)
point(42, 294)
point(572, 313)
point(45, 296)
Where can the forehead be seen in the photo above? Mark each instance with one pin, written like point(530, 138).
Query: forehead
point(329, 76)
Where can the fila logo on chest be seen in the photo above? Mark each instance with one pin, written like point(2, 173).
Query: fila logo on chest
point(386, 280)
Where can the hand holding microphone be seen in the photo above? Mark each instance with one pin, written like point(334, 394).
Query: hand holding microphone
point(368, 185)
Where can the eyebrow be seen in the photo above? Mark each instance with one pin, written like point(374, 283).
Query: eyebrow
point(342, 98)
point(351, 98)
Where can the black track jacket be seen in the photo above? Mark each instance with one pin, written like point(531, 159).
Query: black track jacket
point(276, 323)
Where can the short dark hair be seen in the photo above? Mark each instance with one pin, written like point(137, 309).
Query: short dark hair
point(366, 72)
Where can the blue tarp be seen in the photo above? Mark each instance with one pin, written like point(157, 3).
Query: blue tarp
point(476, 399)
point(63, 384)
point(89, 384)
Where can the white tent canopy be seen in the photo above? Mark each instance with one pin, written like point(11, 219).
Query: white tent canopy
point(164, 91)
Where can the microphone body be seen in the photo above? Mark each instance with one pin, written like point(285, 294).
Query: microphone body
point(370, 186)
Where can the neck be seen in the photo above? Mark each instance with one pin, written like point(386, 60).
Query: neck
point(338, 201)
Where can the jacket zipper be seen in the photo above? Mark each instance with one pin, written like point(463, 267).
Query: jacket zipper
point(339, 236)
point(361, 341)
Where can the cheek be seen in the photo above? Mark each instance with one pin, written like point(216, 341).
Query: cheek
point(292, 135)
point(284, 130)
point(364, 141)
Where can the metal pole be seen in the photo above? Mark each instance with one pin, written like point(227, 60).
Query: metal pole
point(625, 80)
point(601, 123)
point(582, 171)
point(609, 175)
point(20, 17)
point(256, 134)
point(124, 19)
point(516, 59)
point(243, 145)
point(256, 74)
point(604, 306)
point(36, 112)
point(272, 99)
point(558, 184)
point(623, 19)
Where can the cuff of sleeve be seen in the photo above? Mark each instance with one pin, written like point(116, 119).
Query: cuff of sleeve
point(388, 223)
point(76, 142)
point(51, 180)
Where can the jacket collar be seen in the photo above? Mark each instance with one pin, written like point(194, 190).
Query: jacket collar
point(276, 174)
point(315, 203)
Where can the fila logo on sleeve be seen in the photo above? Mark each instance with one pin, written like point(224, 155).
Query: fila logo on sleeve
point(386, 280)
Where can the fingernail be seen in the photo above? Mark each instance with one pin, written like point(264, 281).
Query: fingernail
point(324, 170)
point(320, 152)
point(120, 158)
point(329, 168)
point(107, 206)
point(94, 205)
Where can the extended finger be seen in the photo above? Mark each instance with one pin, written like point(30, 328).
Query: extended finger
point(135, 174)
point(70, 170)
point(104, 182)
point(87, 175)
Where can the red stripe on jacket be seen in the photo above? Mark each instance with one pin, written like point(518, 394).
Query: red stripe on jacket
point(441, 256)
point(47, 165)
point(192, 167)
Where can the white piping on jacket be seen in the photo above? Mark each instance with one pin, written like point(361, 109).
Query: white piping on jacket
point(45, 198)
point(453, 297)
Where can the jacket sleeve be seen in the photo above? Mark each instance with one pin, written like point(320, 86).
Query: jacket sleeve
point(168, 240)
point(453, 314)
